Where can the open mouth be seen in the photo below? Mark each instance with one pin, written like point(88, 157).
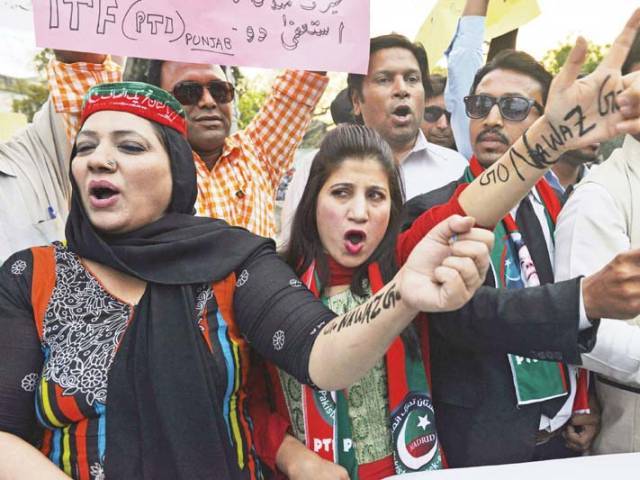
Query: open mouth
point(402, 111)
point(354, 241)
point(401, 115)
point(102, 193)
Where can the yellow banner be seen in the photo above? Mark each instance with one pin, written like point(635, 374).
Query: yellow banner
point(10, 123)
point(503, 16)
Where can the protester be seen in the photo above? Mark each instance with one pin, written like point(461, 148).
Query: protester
point(350, 210)
point(136, 268)
point(499, 323)
point(238, 174)
point(34, 193)
point(436, 124)
point(597, 223)
point(391, 100)
point(480, 418)
point(464, 59)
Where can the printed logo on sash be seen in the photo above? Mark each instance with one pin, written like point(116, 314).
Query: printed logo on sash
point(414, 433)
point(326, 405)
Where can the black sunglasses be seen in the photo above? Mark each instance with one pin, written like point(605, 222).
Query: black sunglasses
point(190, 92)
point(512, 107)
point(433, 113)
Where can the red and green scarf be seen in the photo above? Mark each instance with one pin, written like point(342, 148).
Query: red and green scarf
point(534, 380)
point(328, 427)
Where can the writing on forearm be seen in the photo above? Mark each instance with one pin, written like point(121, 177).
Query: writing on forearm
point(364, 314)
point(512, 156)
point(545, 152)
point(489, 176)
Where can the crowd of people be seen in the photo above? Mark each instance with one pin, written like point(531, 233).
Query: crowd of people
point(456, 280)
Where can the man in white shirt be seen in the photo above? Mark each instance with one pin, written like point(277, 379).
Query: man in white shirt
point(390, 98)
point(599, 221)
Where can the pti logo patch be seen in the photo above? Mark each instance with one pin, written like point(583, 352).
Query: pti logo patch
point(414, 434)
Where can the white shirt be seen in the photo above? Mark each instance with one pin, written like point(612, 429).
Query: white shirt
point(591, 231)
point(429, 166)
point(464, 58)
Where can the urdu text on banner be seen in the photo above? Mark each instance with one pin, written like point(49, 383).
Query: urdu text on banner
point(302, 34)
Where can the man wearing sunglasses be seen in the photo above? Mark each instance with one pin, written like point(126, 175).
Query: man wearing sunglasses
point(238, 173)
point(482, 417)
point(436, 122)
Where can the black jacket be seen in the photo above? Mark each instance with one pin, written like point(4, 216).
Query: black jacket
point(474, 397)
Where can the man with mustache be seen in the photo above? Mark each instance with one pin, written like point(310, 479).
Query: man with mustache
point(482, 413)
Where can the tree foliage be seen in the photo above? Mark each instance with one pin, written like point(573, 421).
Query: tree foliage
point(249, 99)
point(33, 93)
point(555, 58)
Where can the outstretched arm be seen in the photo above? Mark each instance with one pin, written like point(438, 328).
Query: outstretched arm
point(288, 326)
point(578, 113)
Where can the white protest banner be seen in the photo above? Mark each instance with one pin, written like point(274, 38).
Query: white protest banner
point(303, 34)
point(597, 467)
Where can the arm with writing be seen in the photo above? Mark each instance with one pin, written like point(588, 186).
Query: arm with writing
point(294, 330)
point(578, 112)
point(436, 277)
point(596, 107)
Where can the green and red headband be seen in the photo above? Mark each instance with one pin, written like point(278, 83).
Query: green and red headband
point(138, 98)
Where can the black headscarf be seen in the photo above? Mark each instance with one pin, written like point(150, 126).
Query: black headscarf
point(162, 418)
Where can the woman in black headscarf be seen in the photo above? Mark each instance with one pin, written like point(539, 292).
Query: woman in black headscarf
point(125, 352)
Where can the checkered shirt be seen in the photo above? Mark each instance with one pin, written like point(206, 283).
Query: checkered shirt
point(68, 82)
